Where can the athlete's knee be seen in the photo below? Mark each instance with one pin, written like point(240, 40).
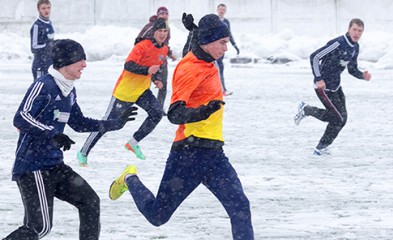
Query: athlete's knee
point(89, 211)
point(241, 210)
point(156, 115)
point(340, 122)
point(244, 205)
point(94, 202)
point(345, 117)
point(90, 202)
point(159, 220)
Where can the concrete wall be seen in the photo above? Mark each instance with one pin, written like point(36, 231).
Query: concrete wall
point(307, 17)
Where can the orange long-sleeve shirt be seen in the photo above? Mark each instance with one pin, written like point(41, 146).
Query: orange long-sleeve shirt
point(197, 82)
point(130, 86)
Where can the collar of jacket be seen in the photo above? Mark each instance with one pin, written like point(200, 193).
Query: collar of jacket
point(155, 43)
point(43, 18)
point(202, 55)
point(349, 39)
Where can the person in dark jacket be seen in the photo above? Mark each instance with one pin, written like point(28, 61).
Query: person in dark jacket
point(197, 156)
point(327, 64)
point(162, 75)
point(39, 170)
point(221, 10)
point(192, 38)
point(41, 40)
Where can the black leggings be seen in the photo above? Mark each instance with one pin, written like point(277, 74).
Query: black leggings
point(162, 92)
point(38, 190)
point(335, 114)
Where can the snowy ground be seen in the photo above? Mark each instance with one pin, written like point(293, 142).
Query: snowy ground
point(293, 194)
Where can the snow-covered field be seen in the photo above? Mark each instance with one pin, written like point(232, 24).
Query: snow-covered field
point(293, 194)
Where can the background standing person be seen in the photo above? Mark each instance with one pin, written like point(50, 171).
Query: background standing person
point(327, 64)
point(39, 170)
point(197, 156)
point(221, 10)
point(41, 40)
point(133, 87)
point(162, 75)
point(192, 38)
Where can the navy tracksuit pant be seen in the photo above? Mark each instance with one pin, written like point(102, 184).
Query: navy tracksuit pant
point(185, 170)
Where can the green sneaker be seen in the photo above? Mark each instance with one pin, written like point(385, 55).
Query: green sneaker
point(82, 159)
point(136, 150)
point(119, 186)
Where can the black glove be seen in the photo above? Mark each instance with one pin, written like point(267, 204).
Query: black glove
point(188, 21)
point(63, 141)
point(116, 124)
point(211, 107)
point(237, 50)
point(127, 115)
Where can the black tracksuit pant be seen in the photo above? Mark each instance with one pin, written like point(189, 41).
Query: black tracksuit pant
point(335, 113)
point(38, 190)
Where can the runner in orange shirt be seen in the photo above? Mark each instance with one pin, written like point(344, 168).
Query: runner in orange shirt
point(133, 87)
point(146, 32)
point(197, 156)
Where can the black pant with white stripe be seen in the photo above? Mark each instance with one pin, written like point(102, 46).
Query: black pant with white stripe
point(38, 190)
point(335, 114)
point(147, 101)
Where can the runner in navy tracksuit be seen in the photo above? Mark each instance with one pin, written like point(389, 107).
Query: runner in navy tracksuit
point(41, 40)
point(39, 170)
point(327, 64)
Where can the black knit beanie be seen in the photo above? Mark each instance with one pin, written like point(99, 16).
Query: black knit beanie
point(66, 52)
point(160, 23)
point(211, 29)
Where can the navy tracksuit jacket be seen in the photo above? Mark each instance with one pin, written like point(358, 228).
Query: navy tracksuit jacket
point(329, 62)
point(41, 42)
point(43, 113)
